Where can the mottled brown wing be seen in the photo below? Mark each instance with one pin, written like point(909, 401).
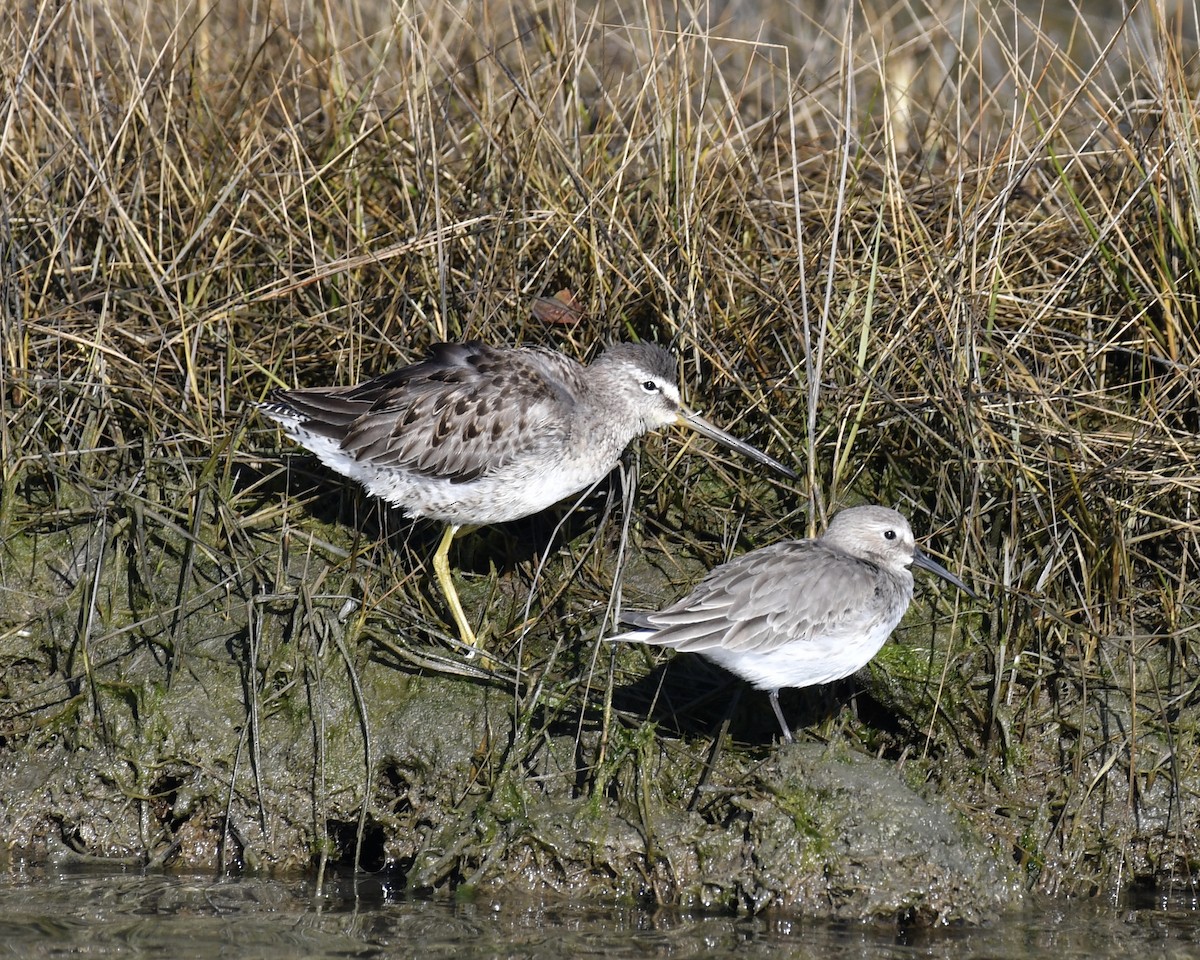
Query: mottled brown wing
point(466, 410)
point(766, 598)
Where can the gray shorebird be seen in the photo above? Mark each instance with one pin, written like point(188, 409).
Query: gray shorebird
point(476, 434)
point(800, 612)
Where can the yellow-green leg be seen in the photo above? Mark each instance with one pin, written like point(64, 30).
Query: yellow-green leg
point(441, 568)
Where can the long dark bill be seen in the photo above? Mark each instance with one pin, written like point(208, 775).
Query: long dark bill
point(691, 419)
point(920, 559)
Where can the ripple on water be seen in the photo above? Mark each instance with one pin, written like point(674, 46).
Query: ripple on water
point(102, 914)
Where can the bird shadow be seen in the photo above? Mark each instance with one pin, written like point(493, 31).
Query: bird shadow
point(688, 696)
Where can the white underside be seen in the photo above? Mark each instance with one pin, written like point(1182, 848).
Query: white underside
point(496, 498)
point(801, 663)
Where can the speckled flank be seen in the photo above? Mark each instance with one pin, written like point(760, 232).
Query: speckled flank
point(476, 434)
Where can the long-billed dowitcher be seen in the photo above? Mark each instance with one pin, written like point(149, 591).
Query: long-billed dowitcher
point(477, 434)
point(800, 612)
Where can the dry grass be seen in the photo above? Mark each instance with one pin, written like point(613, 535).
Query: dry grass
point(946, 257)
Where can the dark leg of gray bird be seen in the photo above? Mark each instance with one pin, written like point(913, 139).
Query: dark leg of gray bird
point(783, 724)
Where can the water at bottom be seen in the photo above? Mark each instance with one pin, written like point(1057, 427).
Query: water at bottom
point(44, 913)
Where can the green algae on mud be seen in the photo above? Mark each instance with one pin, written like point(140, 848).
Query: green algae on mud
point(254, 755)
point(258, 750)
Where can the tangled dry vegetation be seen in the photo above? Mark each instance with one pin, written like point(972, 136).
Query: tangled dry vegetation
point(946, 258)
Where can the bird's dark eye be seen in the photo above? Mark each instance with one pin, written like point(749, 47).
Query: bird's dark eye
point(649, 386)
point(889, 534)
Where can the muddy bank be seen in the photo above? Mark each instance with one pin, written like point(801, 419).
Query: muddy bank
point(245, 737)
point(218, 771)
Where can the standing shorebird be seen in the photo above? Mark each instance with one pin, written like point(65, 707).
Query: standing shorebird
point(800, 612)
point(475, 434)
